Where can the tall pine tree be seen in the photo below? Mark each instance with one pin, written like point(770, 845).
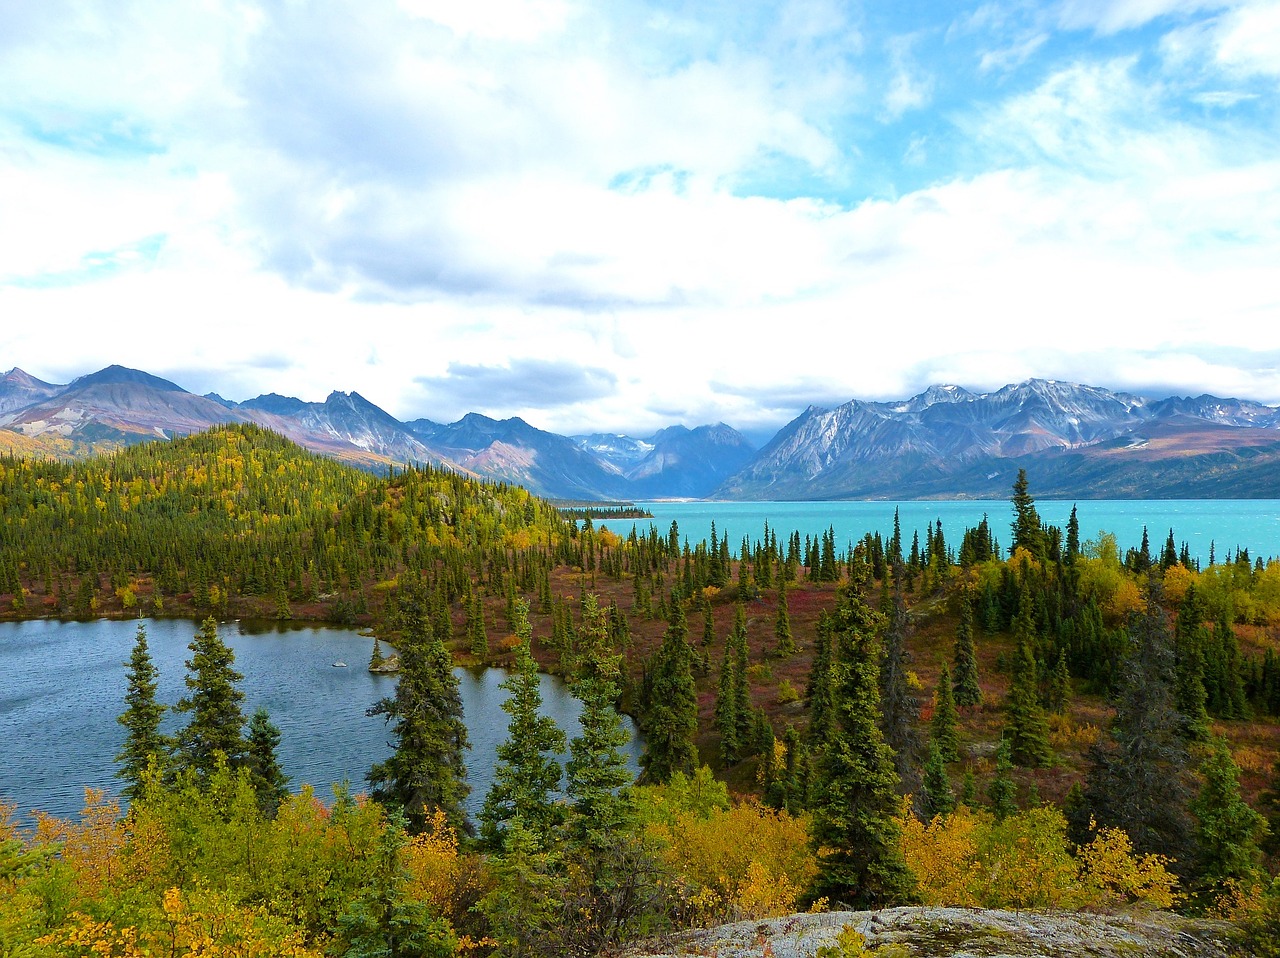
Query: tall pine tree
point(214, 704)
point(856, 791)
point(426, 770)
point(671, 718)
point(527, 772)
point(144, 743)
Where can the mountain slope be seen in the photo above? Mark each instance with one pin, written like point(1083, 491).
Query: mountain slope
point(1076, 440)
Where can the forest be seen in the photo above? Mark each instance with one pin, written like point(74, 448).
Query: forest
point(930, 717)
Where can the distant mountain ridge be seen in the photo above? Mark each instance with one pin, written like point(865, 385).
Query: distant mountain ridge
point(1075, 441)
point(119, 406)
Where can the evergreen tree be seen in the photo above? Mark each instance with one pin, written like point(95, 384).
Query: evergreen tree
point(936, 795)
point(1060, 686)
point(1028, 531)
point(1191, 639)
point(527, 772)
point(782, 625)
point(1138, 775)
point(1073, 537)
point(217, 722)
point(477, 635)
point(144, 743)
point(1027, 728)
point(819, 692)
point(967, 690)
point(856, 791)
point(1002, 791)
point(671, 720)
point(268, 780)
point(943, 729)
point(596, 774)
point(898, 706)
point(426, 770)
point(1228, 831)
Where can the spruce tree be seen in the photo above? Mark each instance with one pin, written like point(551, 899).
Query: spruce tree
point(726, 715)
point(856, 790)
point(671, 720)
point(527, 772)
point(217, 721)
point(268, 780)
point(477, 635)
point(1138, 777)
point(426, 770)
point(1060, 686)
point(782, 625)
point(819, 690)
point(1191, 638)
point(144, 743)
point(1027, 728)
point(967, 691)
point(1002, 791)
point(936, 795)
point(943, 726)
point(898, 706)
point(1228, 831)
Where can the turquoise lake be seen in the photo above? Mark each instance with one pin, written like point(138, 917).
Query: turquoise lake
point(1253, 524)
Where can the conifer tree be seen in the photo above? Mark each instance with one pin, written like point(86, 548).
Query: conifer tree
point(943, 726)
point(936, 795)
point(1060, 686)
point(268, 779)
point(1028, 531)
point(144, 743)
point(741, 680)
point(782, 625)
point(898, 706)
point(477, 635)
point(856, 789)
point(1002, 791)
point(671, 720)
point(1191, 638)
point(1138, 774)
point(217, 722)
point(726, 715)
point(819, 691)
point(1228, 831)
point(1027, 728)
point(967, 691)
point(527, 772)
point(426, 770)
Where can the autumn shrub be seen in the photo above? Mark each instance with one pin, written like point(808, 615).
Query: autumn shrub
point(745, 861)
point(970, 859)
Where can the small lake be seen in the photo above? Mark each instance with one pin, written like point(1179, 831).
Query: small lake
point(62, 685)
point(1253, 524)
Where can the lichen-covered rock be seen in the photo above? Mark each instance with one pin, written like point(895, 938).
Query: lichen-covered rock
point(957, 933)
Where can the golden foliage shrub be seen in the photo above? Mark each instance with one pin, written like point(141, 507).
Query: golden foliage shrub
point(747, 861)
point(969, 859)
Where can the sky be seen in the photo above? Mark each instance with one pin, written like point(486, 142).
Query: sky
point(615, 216)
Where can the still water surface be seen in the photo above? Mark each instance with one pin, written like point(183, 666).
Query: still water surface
point(1227, 523)
point(62, 685)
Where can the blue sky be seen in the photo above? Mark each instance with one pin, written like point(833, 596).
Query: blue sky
point(612, 216)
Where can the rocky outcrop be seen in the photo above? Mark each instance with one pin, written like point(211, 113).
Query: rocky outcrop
point(957, 933)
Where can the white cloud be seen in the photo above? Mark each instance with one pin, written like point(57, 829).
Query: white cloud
point(362, 197)
point(1112, 16)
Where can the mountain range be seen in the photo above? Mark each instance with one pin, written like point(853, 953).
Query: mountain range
point(1075, 441)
